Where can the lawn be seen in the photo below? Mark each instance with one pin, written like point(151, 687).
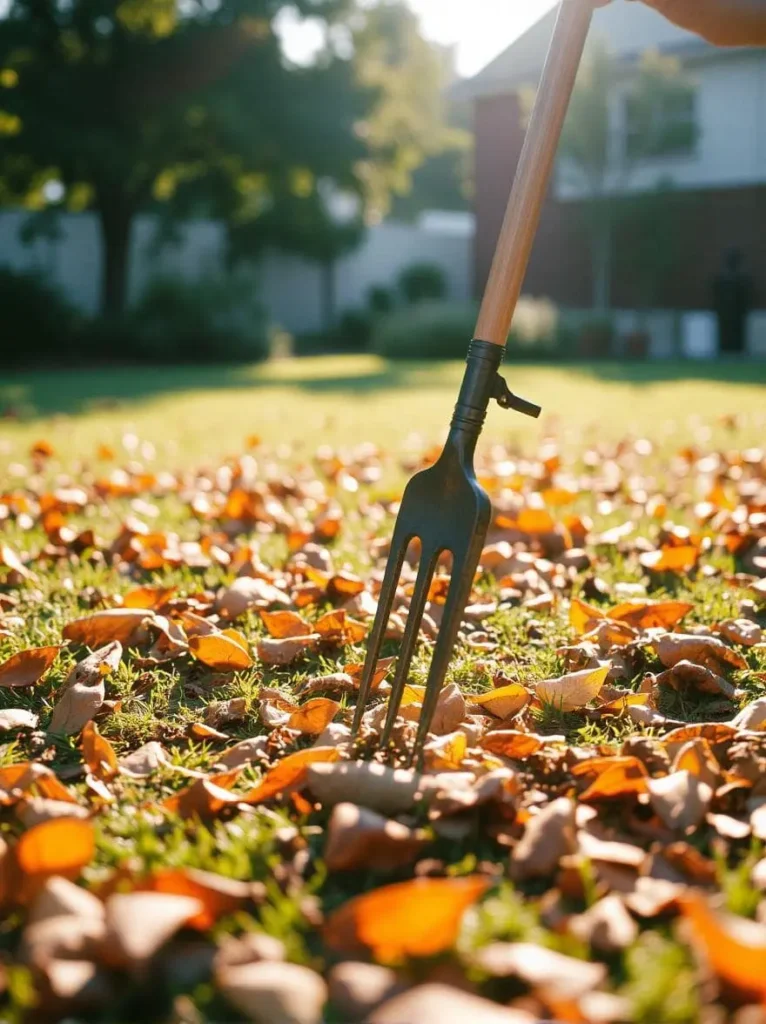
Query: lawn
point(189, 562)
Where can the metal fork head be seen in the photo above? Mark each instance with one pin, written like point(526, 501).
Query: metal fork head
point(446, 509)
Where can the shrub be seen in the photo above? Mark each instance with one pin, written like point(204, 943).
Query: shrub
point(442, 330)
point(215, 318)
point(430, 330)
point(380, 300)
point(354, 330)
point(422, 282)
point(36, 322)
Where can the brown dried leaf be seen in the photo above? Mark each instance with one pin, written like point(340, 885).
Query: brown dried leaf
point(573, 691)
point(680, 800)
point(223, 652)
point(548, 837)
point(83, 692)
point(447, 1005)
point(285, 652)
point(289, 774)
point(115, 625)
point(551, 974)
point(360, 839)
point(282, 625)
point(139, 923)
point(98, 753)
point(28, 667)
point(313, 716)
point(17, 718)
point(701, 650)
point(274, 993)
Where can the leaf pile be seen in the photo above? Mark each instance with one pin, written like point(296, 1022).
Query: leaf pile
point(190, 831)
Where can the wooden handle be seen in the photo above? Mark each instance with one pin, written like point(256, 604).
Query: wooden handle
point(522, 216)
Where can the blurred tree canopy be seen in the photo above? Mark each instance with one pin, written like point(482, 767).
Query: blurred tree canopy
point(191, 107)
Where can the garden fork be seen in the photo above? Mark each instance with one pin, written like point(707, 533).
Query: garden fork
point(444, 506)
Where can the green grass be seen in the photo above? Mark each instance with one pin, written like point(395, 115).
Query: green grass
point(193, 413)
point(195, 417)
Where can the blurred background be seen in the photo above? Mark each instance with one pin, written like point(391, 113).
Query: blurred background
point(226, 181)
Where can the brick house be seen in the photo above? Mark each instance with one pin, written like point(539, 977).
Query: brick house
point(719, 180)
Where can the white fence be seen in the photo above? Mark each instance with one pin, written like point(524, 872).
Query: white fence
point(288, 286)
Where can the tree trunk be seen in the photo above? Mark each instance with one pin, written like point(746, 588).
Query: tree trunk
point(329, 300)
point(116, 222)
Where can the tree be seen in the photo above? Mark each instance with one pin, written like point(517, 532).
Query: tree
point(598, 162)
point(148, 102)
point(410, 122)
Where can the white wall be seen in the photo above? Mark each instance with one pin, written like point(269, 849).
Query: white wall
point(730, 89)
point(288, 286)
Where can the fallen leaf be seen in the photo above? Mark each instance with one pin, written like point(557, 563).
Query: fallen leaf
point(551, 974)
point(220, 652)
point(616, 778)
point(145, 760)
point(83, 692)
point(509, 743)
point(686, 677)
point(680, 800)
point(681, 559)
point(504, 701)
point(274, 993)
point(734, 947)
point(61, 846)
point(205, 797)
point(28, 667)
point(285, 652)
point(17, 718)
point(367, 783)
point(606, 926)
point(151, 598)
point(701, 650)
point(222, 712)
point(572, 691)
point(115, 625)
point(140, 923)
point(282, 625)
point(549, 835)
point(313, 716)
point(218, 895)
point(360, 839)
point(651, 614)
point(98, 753)
point(418, 918)
point(289, 774)
point(445, 1004)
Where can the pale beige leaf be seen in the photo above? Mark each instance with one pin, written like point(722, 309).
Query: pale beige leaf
point(573, 691)
point(680, 800)
point(139, 923)
point(274, 993)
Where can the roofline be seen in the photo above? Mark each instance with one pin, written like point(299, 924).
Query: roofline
point(483, 85)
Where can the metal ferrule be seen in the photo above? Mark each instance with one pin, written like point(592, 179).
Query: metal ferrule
point(482, 364)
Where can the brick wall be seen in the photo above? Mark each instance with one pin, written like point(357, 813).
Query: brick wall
point(709, 221)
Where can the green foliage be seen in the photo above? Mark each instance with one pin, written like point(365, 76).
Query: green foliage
point(34, 319)
point(439, 329)
point(380, 299)
point(215, 319)
point(430, 330)
point(354, 330)
point(409, 122)
point(421, 282)
point(133, 105)
point(662, 984)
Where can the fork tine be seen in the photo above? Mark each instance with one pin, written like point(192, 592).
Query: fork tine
point(463, 571)
point(409, 640)
point(399, 544)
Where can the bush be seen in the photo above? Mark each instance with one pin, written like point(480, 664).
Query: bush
point(422, 282)
point(442, 330)
point(36, 322)
point(380, 300)
point(354, 330)
point(215, 318)
point(431, 330)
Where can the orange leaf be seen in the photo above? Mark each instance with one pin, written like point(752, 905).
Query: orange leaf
point(651, 614)
point(671, 559)
point(535, 520)
point(419, 918)
point(313, 716)
point(584, 616)
point(289, 773)
point(620, 779)
point(98, 753)
point(147, 597)
point(285, 624)
point(734, 947)
point(28, 667)
point(218, 894)
point(205, 797)
point(61, 846)
point(220, 652)
point(504, 701)
point(509, 743)
point(104, 627)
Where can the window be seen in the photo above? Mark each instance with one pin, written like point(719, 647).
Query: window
point(663, 125)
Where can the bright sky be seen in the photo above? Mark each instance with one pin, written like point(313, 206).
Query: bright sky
point(481, 28)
